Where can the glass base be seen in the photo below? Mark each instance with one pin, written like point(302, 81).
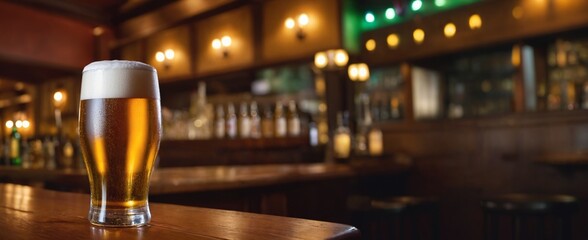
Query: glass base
point(133, 217)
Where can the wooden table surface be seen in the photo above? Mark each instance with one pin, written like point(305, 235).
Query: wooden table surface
point(207, 178)
point(32, 213)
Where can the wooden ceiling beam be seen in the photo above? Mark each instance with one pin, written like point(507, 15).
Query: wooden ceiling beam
point(70, 9)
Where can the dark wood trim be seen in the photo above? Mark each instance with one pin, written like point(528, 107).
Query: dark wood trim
point(133, 29)
point(406, 72)
point(518, 80)
point(70, 9)
point(498, 27)
point(193, 45)
point(257, 28)
point(514, 120)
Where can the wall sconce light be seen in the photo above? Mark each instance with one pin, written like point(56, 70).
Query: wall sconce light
point(449, 30)
point(370, 45)
point(18, 124)
point(165, 57)
point(298, 24)
point(475, 22)
point(9, 124)
point(393, 40)
point(222, 44)
point(331, 58)
point(418, 35)
point(358, 72)
point(59, 98)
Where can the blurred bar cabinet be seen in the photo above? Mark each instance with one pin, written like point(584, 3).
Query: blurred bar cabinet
point(249, 65)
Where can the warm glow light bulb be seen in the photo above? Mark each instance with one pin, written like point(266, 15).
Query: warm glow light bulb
point(418, 35)
point(416, 5)
point(9, 124)
point(226, 41)
point(97, 31)
point(370, 45)
point(320, 59)
point(159, 56)
point(341, 58)
point(364, 72)
point(18, 124)
point(390, 13)
point(26, 124)
point(170, 54)
point(369, 17)
point(449, 30)
point(516, 55)
point(518, 12)
point(58, 96)
point(353, 72)
point(289, 23)
point(216, 43)
point(475, 21)
point(303, 20)
point(393, 40)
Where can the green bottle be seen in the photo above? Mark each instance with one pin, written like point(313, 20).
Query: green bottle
point(15, 159)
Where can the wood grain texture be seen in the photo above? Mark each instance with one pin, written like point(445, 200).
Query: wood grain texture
point(29, 213)
point(201, 179)
point(462, 161)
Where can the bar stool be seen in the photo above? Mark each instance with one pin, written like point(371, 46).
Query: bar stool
point(531, 216)
point(389, 218)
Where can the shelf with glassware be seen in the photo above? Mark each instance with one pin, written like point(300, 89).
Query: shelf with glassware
point(281, 111)
point(535, 82)
point(566, 82)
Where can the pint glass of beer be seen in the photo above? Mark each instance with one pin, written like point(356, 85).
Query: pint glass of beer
point(120, 129)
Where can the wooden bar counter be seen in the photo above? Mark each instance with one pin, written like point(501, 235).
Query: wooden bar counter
point(31, 213)
point(208, 178)
point(304, 190)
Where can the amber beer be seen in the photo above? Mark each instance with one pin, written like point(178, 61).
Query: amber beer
point(120, 130)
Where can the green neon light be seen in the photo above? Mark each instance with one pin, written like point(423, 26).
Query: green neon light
point(416, 5)
point(390, 13)
point(355, 20)
point(440, 3)
point(369, 17)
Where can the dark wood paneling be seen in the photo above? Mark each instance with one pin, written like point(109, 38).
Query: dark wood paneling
point(498, 26)
point(462, 161)
point(176, 153)
point(32, 36)
point(165, 17)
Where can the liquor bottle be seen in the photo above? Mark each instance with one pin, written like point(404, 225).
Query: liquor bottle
point(375, 141)
point(280, 120)
point(49, 152)
point(255, 121)
point(364, 122)
point(244, 121)
point(37, 158)
point(5, 152)
point(219, 122)
point(25, 153)
point(231, 122)
point(313, 134)
point(199, 127)
point(342, 139)
point(15, 158)
point(267, 123)
point(67, 154)
point(293, 120)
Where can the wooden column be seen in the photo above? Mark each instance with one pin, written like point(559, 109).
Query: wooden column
point(335, 95)
point(406, 72)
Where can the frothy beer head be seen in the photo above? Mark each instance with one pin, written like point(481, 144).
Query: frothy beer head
point(119, 79)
